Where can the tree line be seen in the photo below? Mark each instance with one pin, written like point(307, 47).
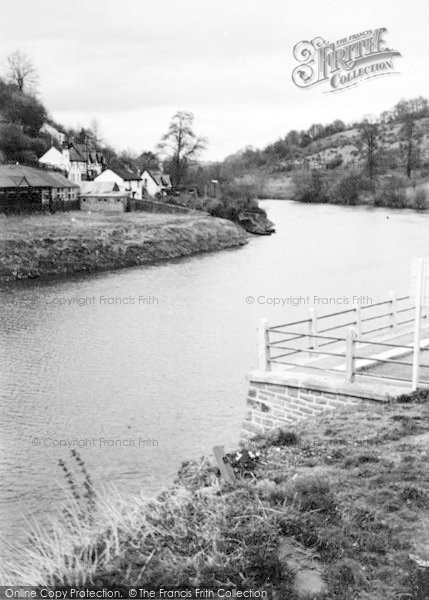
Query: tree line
point(22, 115)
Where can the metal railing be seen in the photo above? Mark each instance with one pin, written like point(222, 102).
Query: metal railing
point(353, 335)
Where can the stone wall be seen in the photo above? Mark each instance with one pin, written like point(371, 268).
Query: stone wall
point(283, 399)
point(155, 206)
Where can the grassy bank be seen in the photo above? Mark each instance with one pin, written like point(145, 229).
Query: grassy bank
point(391, 190)
point(276, 186)
point(74, 242)
point(343, 187)
point(331, 510)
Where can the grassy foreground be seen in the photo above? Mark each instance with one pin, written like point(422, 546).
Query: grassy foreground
point(46, 245)
point(331, 510)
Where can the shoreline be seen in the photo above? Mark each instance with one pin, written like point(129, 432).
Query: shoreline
point(45, 247)
point(302, 518)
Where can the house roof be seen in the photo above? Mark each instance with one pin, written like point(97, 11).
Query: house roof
point(126, 175)
point(6, 181)
point(82, 153)
point(53, 155)
point(122, 173)
point(106, 195)
point(12, 176)
point(97, 188)
point(75, 155)
point(161, 179)
point(60, 181)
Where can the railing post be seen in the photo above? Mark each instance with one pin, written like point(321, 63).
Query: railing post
point(394, 313)
point(358, 312)
point(314, 342)
point(350, 355)
point(418, 325)
point(263, 346)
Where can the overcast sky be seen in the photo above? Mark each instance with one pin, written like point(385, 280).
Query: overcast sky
point(131, 64)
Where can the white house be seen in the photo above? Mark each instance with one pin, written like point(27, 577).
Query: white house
point(127, 181)
point(77, 160)
point(86, 163)
point(55, 158)
point(155, 182)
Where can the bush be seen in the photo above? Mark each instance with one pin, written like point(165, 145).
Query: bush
point(335, 162)
point(233, 199)
point(277, 437)
point(419, 199)
point(392, 192)
point(348, 188)
point(311, 187)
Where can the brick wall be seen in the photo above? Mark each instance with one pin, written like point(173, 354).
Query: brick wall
point(271, 405)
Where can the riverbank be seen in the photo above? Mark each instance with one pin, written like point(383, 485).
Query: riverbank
point(332, 509)
point(43, 246)
point(343, 188)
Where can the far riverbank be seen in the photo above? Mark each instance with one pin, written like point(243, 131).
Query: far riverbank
point(44, 246)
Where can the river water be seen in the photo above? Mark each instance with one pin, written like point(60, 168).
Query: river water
point(145, 367)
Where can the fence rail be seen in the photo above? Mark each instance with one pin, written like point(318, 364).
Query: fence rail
point(347, 331)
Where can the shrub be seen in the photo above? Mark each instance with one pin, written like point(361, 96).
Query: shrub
point(311, 187)
point(392, 192)
point(282, 437)
point(419, 199)
point(277, 437)
point(347, 189)
point(335, 162)
point(233, 198)
point(420, 396)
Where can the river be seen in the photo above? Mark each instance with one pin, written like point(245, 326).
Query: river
point(145, 367)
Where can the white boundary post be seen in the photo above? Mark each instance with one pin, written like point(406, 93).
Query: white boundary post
point(417, 323)
point(350, 355)
point(263, 349)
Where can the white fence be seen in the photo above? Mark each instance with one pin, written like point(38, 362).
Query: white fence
point(349, 340)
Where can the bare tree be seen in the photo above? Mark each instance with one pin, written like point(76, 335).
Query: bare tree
point(21, 71)
point(181, 145)
point(369, 130)
point(407, 112)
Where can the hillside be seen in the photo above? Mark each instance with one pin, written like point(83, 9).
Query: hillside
point(395, 143)
point(346, 146)
point(27, 131)
point(21, 117)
